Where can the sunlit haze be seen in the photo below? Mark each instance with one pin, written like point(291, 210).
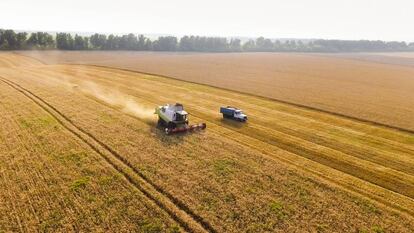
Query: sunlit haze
point(328, 19)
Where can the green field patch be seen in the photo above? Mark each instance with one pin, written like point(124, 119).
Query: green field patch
point(151, 226)
point(223, 167)
point(377, 229)
point(278, 209)
point(79, 184)
point(37, 123)
point(322, 228)
point(108, 180)
point(367, 206)
point(106, 117)
point(71, 157)
point(209, 203)
point(52, 222)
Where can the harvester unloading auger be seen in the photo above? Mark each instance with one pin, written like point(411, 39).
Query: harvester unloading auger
point(175, 119)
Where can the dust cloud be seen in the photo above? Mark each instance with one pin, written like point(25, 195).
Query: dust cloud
point(110, 96)
point(115, 98)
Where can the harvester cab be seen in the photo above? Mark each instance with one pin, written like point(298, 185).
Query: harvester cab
point(174, 119)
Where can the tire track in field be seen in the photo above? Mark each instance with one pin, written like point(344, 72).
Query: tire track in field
point(348, 187)
point(175, 208)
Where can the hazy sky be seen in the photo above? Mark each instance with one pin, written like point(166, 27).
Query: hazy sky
point(339, 19)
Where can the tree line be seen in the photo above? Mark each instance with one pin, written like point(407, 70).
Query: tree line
point(10, 40)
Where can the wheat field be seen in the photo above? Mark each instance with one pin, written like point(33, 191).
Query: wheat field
point(80, 151)
point(372, 87)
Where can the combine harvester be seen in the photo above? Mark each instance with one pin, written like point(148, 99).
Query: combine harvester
point(175, 119)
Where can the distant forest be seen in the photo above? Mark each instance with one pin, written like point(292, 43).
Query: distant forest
point(10, 40)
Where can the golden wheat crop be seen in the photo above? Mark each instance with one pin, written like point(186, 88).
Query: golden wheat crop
point(288, 169)
point(373, 87)
point(51, 181)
